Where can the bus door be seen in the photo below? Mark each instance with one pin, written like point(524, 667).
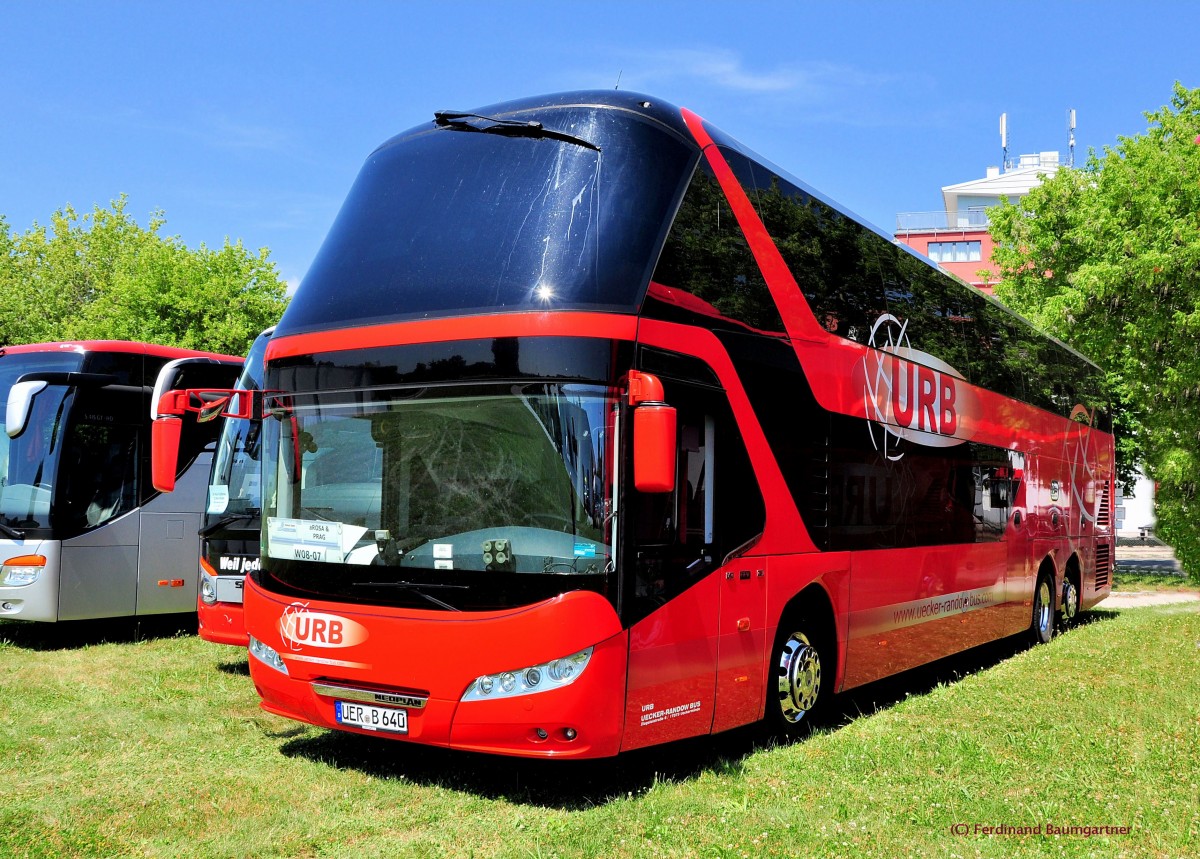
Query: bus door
point(694, 663)
point(98, 486)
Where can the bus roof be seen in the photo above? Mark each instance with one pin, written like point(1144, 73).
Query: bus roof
point(125, 346)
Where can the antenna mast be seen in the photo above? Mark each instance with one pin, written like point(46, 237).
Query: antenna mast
point(1071, 137)
point(1004, 139)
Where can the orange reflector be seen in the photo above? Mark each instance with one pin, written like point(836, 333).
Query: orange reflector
point(176, 583)
point(162, 583)
point(26, 561)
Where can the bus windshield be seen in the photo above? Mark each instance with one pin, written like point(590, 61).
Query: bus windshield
point(29, 462)
point(426, 498)
point(233, 491)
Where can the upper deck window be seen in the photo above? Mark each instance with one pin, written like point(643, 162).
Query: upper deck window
point(471, 218)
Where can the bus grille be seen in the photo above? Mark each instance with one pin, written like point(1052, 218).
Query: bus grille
point(1103, 564)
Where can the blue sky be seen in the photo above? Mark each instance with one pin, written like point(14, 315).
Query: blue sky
point(250, 120)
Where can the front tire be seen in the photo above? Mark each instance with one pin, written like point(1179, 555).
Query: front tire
point(802, 665)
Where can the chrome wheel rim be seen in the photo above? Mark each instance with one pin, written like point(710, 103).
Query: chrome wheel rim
point(1070, 601)
point(799, 677)
point(1043, 608)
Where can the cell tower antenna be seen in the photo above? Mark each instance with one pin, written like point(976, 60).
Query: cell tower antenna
point(1004, 139)
point(1071, 137)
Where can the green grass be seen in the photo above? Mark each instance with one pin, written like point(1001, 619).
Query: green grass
point(157, 748)
point(1132, 579)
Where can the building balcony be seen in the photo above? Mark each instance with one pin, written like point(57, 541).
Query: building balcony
point(934, 222)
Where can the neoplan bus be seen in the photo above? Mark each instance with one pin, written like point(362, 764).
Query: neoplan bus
point(590, 429)
point(83, 534)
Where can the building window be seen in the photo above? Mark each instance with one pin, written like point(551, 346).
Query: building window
point(955, 251)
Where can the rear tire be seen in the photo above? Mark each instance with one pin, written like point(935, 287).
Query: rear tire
point(1041, 628)
point(802, 662)
point(1070, 603)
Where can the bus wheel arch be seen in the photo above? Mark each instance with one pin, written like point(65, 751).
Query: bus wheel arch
point(1041, 625)
point(802, 664)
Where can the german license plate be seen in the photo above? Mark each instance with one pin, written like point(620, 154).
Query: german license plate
point(371, 717)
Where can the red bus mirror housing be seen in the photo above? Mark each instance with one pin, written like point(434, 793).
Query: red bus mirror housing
point(164, 452)
point(654, 448)
point(653, 435)
point(171, 411)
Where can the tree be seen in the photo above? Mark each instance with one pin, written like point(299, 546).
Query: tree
point(1108, 258)
point(102, 276)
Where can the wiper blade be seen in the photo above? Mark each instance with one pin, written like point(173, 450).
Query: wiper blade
point(416, 587)
point(458, 121)
point(211, 528)
point(11, 532)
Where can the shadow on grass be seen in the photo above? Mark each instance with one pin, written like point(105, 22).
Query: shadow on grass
point(577, 785)
point(75, 634)
point(238, 668)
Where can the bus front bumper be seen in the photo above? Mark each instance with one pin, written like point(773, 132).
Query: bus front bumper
point(424, 664)
point(37, 600)
point(222, 623)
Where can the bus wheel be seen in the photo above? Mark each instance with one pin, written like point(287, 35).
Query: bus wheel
point(1042, 628)
point(800, 685)
point(1070, 602)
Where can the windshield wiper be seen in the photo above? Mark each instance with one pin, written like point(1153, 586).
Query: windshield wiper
point(415, 587)
point(11, 532)
point(458, 121)
point(213, 527)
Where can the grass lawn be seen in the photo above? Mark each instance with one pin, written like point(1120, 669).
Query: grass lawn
point(157, 748)
point(1151, 580)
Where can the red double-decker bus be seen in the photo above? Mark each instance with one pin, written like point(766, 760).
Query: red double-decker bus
point(590, 429)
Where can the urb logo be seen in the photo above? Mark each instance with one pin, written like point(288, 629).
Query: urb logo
point(301, 627)
point(908, 394)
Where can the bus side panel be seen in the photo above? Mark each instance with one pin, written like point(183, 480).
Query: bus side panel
point(672, 665)
point(169, 561)
point(912, 606)
point(170, 553)
point(98, 571)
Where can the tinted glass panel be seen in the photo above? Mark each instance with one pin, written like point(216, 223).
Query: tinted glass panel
point(443, 221)
point(101, 460)
point(706, 273)
point(852, 276)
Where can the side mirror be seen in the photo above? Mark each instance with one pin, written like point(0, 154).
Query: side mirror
point(164, 451)
point(170, 411)
point(20, 402)
point(654, 445)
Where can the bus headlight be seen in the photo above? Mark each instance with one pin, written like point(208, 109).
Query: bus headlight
point(267, 655)
point(526, 681)
point(22, 570)
point(208, 588)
